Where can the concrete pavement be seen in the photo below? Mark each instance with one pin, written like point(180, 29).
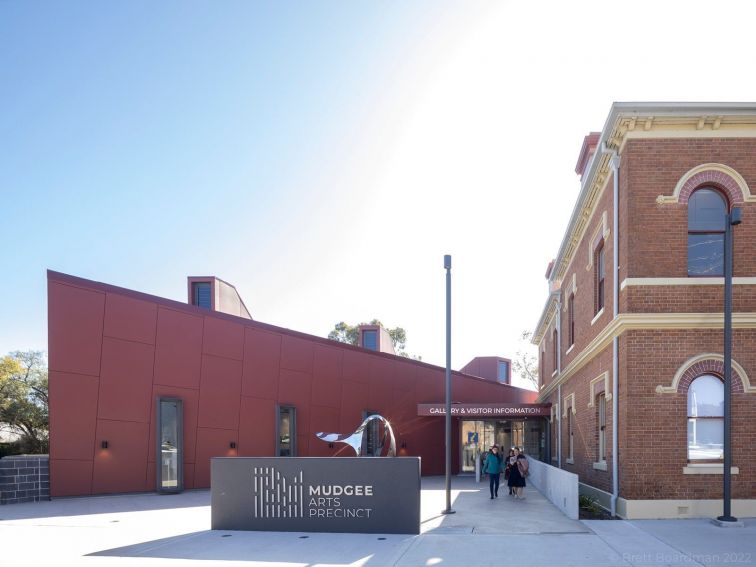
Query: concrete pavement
point(150, 529)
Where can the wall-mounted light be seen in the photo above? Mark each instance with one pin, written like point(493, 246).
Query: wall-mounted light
point(232, 444)
point(104, 444)
point(330, 445)
point(404, 444)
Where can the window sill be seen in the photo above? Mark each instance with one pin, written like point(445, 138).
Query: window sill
point(708, 468)
point(570, 461)
point(554, 373)
point(569, 349)
point(598, 315)
point(600, 466)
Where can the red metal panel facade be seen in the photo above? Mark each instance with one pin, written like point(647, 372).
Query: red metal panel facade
point(114, 351)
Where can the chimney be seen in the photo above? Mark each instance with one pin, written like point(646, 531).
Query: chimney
point(214, 294)
point(590, 142)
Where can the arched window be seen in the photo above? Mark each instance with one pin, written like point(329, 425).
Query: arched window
point(706, 419)
point(707, 210)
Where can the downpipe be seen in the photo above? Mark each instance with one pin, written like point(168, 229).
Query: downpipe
point(615, 161)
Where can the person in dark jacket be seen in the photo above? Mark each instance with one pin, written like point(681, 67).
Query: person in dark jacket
point(509, 462)
point(516, 480)
point(493, 468)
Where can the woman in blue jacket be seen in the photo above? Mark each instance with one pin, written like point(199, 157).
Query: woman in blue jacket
point(493, 468)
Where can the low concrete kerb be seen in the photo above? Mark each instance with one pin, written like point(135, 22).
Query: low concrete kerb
point(724, 524)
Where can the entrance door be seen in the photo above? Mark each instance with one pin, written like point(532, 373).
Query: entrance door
point(477, 437)
point(170, 445)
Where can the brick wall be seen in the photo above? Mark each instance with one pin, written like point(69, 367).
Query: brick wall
point(653, 243)
point(658, 240)
point(24, 478)
point(654, 432)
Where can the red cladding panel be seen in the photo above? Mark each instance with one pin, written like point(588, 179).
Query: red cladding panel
point(130, 319)
point(303, 445)
point(178, 353)
point(73, 415)
point(262, 355)
point(326, 390)
point(211, 443)
point(70, 478)
point(326, 420)
point(220, 391)
point(191, 404)
point(223, 338)
point(429, 385)
point(356, 366)
point(294, 389)
point(404, 375)
point(150, 481)
point(126, 380)
point(354, 401)
point(122, 467)
point(75, 319)
point(257, 428)
point(296, 354)
point(189, 475)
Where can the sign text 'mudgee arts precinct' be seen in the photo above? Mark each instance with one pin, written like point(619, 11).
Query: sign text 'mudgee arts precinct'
point(316, 494)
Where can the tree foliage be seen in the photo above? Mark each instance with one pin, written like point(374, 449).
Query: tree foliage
point(23, 399)
point(349, 334)
point(525, 363)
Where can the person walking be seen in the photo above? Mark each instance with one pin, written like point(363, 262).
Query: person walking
point(509, 462)
point(516, 480)
point(493, 469)
point(523, 471)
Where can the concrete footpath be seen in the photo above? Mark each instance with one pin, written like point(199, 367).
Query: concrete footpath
point(149, 529)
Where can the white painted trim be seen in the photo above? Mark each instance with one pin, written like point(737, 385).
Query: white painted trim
point(708, 468)
point(672, 388)
point(570, 461)
point(718, 167)
point(569, 349)
point(592, 387)
point(644, 321)
point(569, 402)
point(671, 509)
point(683, 281)
point(600, 466)
point(603, 228)
point(599, 314)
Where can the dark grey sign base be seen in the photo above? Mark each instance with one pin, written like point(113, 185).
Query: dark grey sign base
point(316, 494)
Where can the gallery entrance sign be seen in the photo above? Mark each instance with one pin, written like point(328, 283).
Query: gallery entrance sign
point(313, 494)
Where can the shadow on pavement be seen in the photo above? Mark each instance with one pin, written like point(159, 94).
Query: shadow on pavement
point(270, 547)
point(110, 504)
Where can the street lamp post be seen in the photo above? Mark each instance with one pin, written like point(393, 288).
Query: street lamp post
point(732, 219)
point(448, 438)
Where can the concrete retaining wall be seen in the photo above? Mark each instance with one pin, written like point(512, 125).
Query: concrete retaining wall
point(560, 487)
point(24, 478)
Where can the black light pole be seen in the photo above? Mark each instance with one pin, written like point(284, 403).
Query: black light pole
point(732, 219)
point(447, 413)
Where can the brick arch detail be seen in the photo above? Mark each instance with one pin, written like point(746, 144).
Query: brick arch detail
point(707, 363)
point(721, 176)
point(717, 179)
point(709, 366)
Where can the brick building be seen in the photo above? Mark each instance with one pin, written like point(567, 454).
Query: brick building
point(633, 323)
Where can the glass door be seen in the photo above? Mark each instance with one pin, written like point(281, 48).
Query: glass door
point(170, 445)
point(477, 437)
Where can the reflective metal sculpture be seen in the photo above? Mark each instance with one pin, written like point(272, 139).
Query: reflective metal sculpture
point(354, 440)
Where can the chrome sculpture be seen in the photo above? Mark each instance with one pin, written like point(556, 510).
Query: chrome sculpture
point(354, 440)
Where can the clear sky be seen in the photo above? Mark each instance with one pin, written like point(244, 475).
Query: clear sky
point(324, 156)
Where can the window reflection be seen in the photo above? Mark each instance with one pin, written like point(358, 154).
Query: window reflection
point(706, 419)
